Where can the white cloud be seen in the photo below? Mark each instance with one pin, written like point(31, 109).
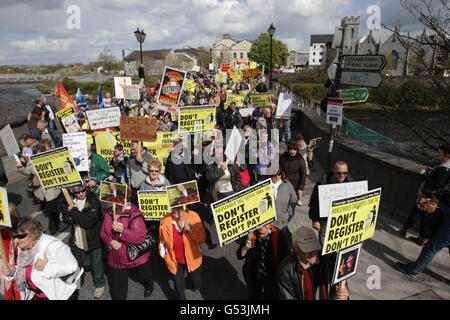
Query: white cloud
point(42, 45)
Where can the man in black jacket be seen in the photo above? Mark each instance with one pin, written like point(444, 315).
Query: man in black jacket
point(263, 252)
point(339, 174)
point(85, 217)
point(304, 274)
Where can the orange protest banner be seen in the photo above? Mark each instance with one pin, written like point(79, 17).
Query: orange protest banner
point(138, 128)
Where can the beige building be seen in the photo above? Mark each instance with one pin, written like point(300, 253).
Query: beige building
point(227, 50)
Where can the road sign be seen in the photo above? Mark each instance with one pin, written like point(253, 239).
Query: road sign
point(364, 63)
point(365, 79)
point(354, 95)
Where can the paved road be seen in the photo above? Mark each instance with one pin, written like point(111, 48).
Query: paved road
point(377, 278)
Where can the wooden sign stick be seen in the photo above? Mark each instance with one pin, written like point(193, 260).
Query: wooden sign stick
point(341, 285)
point(114, 212)
point(67, 197)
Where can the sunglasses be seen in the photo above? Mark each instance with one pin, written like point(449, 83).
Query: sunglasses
point(20, 236)
point(78, 192)
point(341, 173)
point(153, 170)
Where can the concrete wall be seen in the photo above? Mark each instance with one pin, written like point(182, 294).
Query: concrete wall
point(399, 178)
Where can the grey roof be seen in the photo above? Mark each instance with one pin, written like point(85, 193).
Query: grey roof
point(321, 38)
point(155, 54)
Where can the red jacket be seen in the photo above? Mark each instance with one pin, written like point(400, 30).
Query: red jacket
point(134, 232)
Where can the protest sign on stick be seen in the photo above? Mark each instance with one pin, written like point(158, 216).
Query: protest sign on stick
point(243, 212)
point(154, 204)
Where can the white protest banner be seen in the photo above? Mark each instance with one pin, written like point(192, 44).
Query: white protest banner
point(77, 145)
point(284, 108)
point(9, 141)
point(246, 112)
point(131, 92)
point(330, 192)
point(69, 120)
point(234, 142)
point(103, 118)
point(119, 83)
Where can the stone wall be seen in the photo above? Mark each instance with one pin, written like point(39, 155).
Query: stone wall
point(399, 178)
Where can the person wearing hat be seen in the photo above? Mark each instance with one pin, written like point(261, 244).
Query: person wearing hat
point(304, 274)
point(263, 251)
point(85, 217)
point(84, 125)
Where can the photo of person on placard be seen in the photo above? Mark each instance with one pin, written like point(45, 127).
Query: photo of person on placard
point(112, 192)
point(347, 263)
point(183, 194)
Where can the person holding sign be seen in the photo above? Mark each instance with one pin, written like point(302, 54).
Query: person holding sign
point(137, 169)
point(294, 166)
point(9, 289)
point(51, 198)
point(339, 174)
point(180, 234)
point(84, 215)
point(122, 225)
point(263, 252)
point(98, 170)
point(42, 261)
point(155, 180)
point(304, 274)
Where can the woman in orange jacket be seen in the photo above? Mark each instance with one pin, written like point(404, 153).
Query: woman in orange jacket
point(180, 233)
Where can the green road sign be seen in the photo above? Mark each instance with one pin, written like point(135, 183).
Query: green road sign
point(354, 95)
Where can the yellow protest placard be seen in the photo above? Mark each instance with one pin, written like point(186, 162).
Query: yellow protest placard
point(196, 119)
point(244, 212)
point(236, 98)
point(56, 169)
point(160, 149)
point(5, 218)
point(262, 100)
point(221, 77)
point(351, 221)
point(154, 204)
point(189, 85)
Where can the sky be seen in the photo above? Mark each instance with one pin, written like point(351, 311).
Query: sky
point(69, 31)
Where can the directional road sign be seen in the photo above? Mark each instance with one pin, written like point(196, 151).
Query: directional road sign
point(354, 95)
point(365, 63)
point(361, 78)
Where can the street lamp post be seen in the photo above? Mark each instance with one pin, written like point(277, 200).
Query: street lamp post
point(140, 37)
point(271, 32)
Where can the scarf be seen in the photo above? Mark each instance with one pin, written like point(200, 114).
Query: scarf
point(308, 286)
point(24, 259)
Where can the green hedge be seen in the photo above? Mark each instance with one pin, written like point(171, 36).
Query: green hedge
point(409, 93)
point(89, 87)
point(311, 91)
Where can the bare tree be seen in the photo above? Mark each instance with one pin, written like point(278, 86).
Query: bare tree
point(428, 61)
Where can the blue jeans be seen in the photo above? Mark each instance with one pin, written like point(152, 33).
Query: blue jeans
point(439, 241)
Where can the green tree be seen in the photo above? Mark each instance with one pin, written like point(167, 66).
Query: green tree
point(260, 51)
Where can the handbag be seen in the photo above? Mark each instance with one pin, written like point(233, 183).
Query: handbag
point(134, 251)
point(426, 205)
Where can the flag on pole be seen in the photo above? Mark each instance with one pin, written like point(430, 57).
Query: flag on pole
point(100, 102)
point(66, 100)
point(80, 100)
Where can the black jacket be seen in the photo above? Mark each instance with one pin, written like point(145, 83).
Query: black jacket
point(295, 169)
point(277, 250)
point(89, 219)
point(290, 278)
point(437, 182)
point(232, 119)
point(314, 214)
point(213, 174)
point(171, 167)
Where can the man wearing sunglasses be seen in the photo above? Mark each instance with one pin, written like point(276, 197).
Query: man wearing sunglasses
point(85, 217)
point(338, 174)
